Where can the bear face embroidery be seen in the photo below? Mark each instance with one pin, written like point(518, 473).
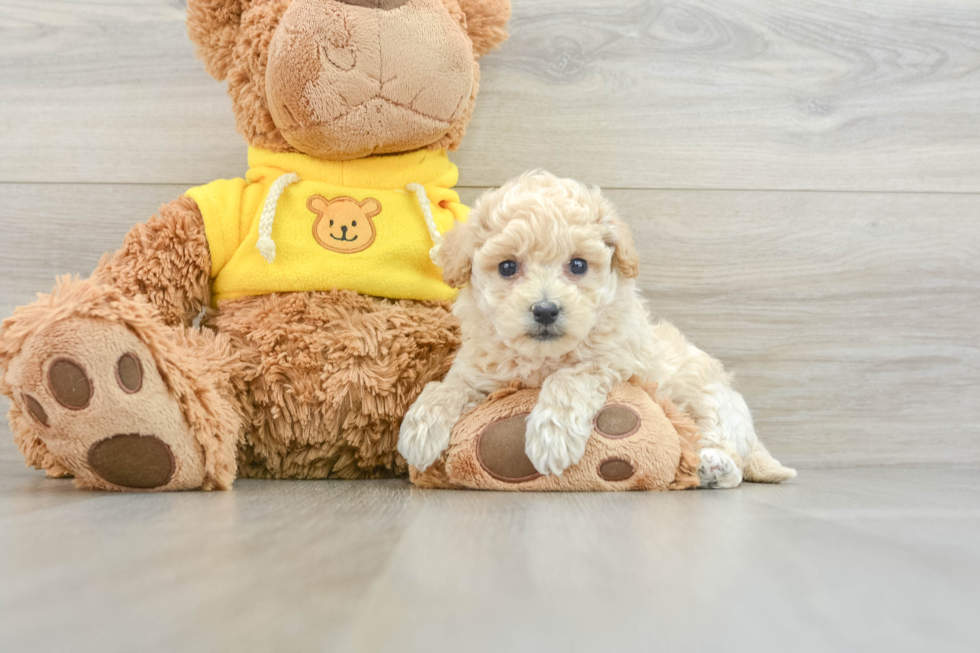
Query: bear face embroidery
point(344, 225)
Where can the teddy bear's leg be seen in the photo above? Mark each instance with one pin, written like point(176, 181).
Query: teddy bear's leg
point(327, 378)
point(638, 441)
point(105, 390)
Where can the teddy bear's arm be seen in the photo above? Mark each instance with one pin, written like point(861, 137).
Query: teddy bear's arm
point(166, 260)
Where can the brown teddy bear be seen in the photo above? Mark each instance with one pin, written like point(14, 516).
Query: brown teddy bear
point(327, 316)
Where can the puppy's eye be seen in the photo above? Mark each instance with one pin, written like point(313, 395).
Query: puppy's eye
point(354, 223)
point(578, 266)
point(331, 223)
point(507, 268)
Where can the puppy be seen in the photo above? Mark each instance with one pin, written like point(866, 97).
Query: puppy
point(548, 297)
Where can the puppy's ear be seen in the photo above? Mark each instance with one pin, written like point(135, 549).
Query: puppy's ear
point(456, 256)
point(625, 258)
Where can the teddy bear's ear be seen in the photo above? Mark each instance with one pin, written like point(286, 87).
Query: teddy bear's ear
point(486, 23)
point(213, 26)
point(456, 256)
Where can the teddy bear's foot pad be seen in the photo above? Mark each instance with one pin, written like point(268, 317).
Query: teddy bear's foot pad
point(616, 469)
point(500, 451)
point(501, 447)
point(635, 445)
point(132, 460)
point(103, 410)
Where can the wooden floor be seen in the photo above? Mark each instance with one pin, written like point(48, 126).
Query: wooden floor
point(876, 559)
point(804, 182)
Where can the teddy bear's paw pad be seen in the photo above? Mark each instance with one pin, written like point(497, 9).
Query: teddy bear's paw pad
point(103, 410)
point(129, 373)
point(133, 461)
point(36, 410)
point(616, 469)
point(69, 384)
point(617, 421)
point(500, 451)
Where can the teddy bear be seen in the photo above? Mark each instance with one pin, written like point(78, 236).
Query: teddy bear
point(324, 314)
point(640, 441)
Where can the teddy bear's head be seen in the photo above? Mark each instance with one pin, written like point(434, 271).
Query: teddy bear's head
point(344, 79)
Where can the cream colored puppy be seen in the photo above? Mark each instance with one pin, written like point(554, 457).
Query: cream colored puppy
point(548, 297)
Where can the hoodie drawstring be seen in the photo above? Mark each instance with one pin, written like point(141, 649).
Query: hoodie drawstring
point(430, 221)
point(265, 244)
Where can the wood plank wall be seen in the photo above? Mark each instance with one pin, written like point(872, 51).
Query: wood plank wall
point(803, 179)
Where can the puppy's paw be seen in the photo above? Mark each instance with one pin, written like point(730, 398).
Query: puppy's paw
point(554, 442)
point(424, 435)
point(718, 470)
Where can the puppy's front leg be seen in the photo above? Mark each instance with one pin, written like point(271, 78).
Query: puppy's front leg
point(560, 425)
point(426, 428)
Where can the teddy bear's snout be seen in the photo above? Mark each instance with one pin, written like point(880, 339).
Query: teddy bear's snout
point(378, 81)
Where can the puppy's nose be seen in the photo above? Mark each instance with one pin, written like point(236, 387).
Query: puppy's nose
point(376, 4)
point(343, 230)
point(545, 313)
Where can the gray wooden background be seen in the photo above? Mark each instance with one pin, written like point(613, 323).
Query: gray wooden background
point(803, 178)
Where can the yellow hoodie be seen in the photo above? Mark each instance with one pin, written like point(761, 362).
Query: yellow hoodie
point(356, 225)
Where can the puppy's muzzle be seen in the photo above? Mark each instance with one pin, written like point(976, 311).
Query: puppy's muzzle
point(545, 313)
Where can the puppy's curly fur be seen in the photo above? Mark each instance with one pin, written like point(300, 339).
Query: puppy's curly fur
point(548, 297)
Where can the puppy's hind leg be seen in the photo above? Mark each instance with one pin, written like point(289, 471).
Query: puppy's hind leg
point(761, 467)
point(732, 430)
point(718, 470)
